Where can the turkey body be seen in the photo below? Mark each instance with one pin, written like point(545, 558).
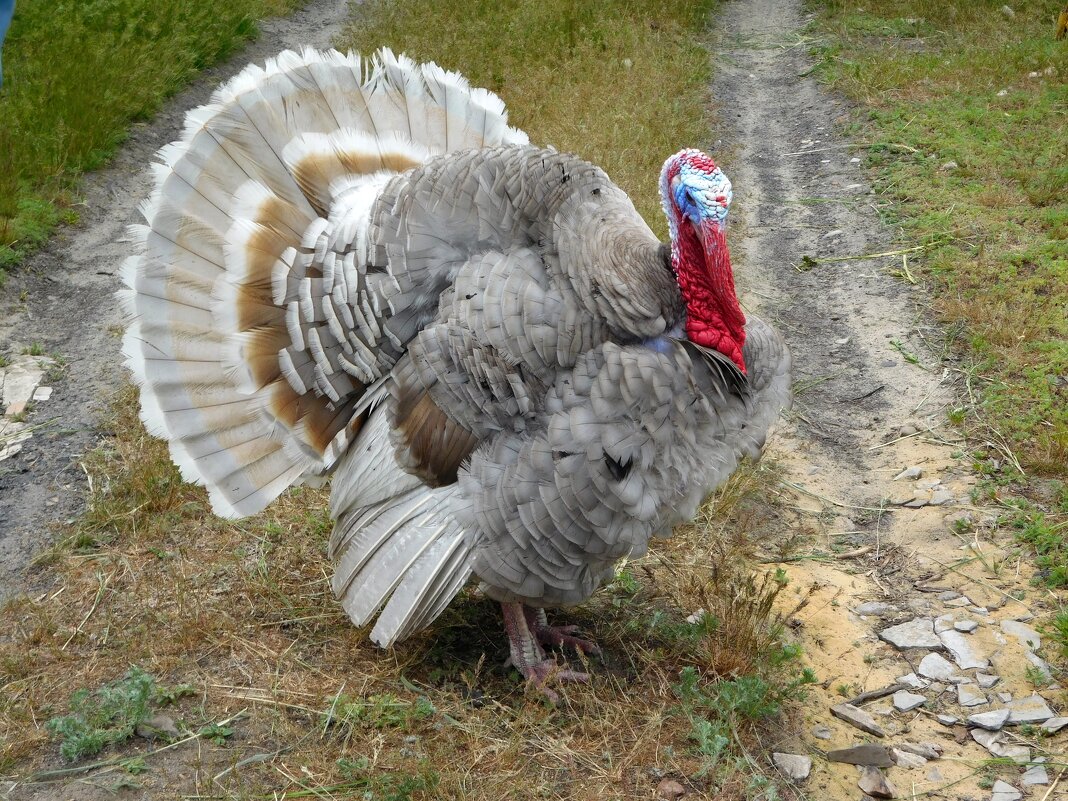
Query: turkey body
point(359, 269)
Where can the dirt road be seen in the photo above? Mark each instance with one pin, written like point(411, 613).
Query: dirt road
point(63, 299)
point(872, 395)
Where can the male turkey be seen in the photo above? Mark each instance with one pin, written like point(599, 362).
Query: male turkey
point(356, 267)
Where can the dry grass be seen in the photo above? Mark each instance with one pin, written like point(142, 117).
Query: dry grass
point(243, 611)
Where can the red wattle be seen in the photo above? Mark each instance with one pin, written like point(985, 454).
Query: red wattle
point(714, 319)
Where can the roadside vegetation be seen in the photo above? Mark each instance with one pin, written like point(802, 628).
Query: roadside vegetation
point(76, 74)
point(699, 677)
point(963, 106)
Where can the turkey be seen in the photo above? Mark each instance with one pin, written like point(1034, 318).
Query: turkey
point(356, 267)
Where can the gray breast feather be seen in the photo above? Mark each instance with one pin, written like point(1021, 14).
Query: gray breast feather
point(629, 445)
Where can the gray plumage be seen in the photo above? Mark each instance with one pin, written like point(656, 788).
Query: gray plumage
point(361, 269)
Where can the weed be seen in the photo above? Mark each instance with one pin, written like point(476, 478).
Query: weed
point(35, 349)
point(104, 717)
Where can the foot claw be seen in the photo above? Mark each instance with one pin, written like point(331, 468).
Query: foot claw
point(543, 672)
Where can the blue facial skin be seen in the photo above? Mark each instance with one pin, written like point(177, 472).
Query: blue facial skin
point(698, 195)
point(7, 11)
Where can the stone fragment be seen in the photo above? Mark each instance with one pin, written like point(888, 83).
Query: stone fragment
point(1036, 774)
point(986, 680)
point(904, 759)
point(1003, 791)
point(964, 653)
point(1054, 725)
point(916, 633)
point(915, 503)
point(943, 623)
point(992, 721)
point(988, 739)
point(966, 626)
point(866, 754)
point(1032, 709)
point(970, 695)
point(670, 790)
point(947, 720)
point(1007, 12)
point(904, 701)
point(1041, 664)
point(794, 766)
point(948, 595)
point(941, 497)
point(909, 474)
point(157, 727)
point(1028, 637)
point(874, 783)
point(1004, 697)
point(1020, 754)
point(876, 608)
point(926, 750)
point(964, 600)
point(821, 732)
point(855, 716)
point(937, 667)
point(42, 393)
point(912, 680)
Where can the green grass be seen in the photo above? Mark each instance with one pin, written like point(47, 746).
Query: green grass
point(76, 74)
point(959, 82)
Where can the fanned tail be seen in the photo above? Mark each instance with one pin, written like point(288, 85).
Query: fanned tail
point(254, 335)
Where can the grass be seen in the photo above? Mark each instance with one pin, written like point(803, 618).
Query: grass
point(964, 113)
point(243, 611)
point(76, 74)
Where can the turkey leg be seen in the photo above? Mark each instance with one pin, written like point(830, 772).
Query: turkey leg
point(561, 636)
point(528, 656)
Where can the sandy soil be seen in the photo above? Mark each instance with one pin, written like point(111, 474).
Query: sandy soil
point(798, 192)
point(69, 307)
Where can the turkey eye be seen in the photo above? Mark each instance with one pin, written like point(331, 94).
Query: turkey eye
point(619, 470)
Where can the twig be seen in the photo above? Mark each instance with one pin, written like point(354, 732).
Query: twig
point(1053, 786)
point(929, 430)
point(871, 695)
point(840, 504)
point(96, 603)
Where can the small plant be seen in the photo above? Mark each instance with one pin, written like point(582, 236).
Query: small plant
point(384, 711)
point(104, 717)
point(216, 733)
point(35, 349)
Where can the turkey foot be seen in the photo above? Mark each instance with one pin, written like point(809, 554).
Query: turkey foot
point(560, 636)
point(527, 655)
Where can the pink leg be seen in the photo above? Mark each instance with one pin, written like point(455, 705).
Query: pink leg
point(560, 636)
point(528, 657)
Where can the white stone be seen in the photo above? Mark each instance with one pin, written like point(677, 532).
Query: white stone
point(904, 701)
point(944, 623)
point(992, 721)
point(986, 680)
point(795, 766)
point(970, 695)
point(916, 633)
point(964, 653)
point(947, 720)
point(1032, 709)
point(910, 473)
point(937, 667)
point(42, 393)
point(959, 602)
point(1035, 775)
point(1054, 725)
point(905, 759)
point(912, 680)
point(1041, 664)
point(1004, 697)
point(926, 750)
point(966, 626)
point(20, 379)
point(1028, 637)
point(1003, 791)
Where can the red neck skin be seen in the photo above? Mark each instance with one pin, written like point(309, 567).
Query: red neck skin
point(714, 319)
